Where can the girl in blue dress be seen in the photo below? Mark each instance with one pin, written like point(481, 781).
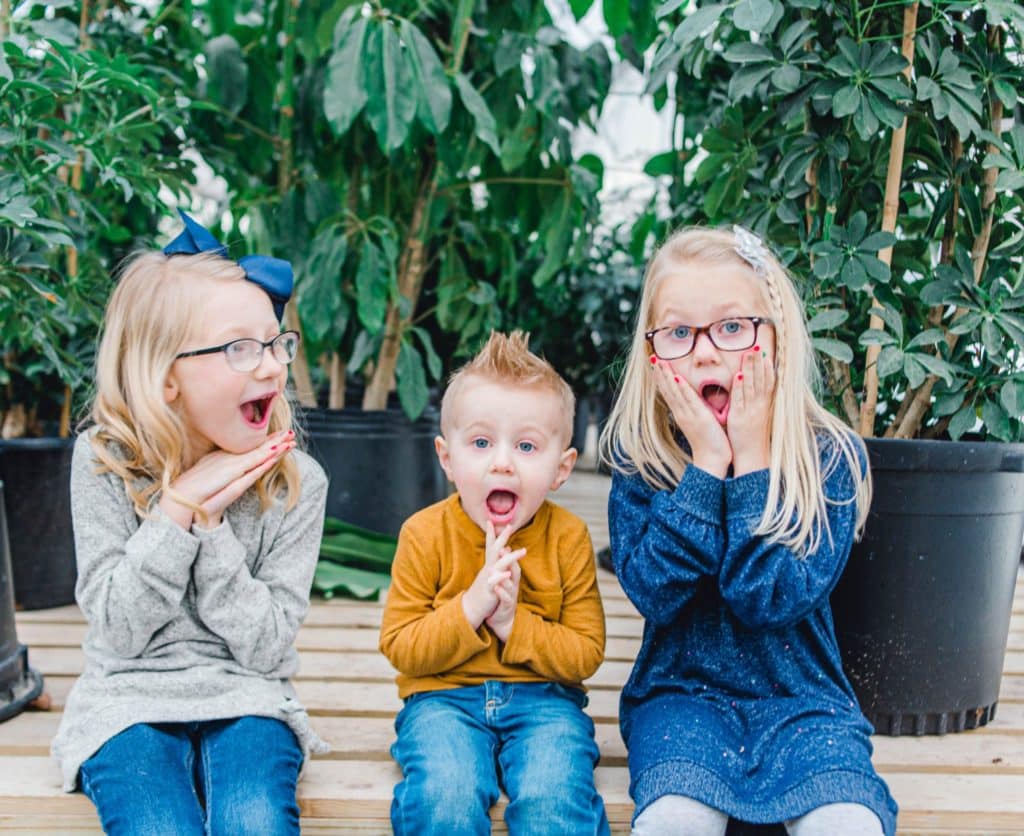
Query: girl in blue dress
point(735, 500)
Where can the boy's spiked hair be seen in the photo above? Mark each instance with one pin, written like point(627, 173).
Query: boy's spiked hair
point(506, 358)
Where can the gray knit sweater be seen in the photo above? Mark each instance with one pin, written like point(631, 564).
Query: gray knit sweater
point(186, 625)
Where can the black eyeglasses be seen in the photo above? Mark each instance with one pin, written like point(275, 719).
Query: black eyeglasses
point(736, 333)
point(246, 354)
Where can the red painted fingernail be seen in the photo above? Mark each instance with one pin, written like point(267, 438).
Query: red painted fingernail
point(739, 376)
point(291, 432)
point(654, 360)
point(757, 348)
point(676, 379)
point(274, 447)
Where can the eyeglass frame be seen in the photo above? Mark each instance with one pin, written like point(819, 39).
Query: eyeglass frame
point(758, 321)
point(263, 347)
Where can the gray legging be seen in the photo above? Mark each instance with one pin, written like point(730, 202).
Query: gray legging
point(677, 815)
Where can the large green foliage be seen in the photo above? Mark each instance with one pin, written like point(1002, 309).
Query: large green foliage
point(431, 173)
point(787, 112)
point(90, 129)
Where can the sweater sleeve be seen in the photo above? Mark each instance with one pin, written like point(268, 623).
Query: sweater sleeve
point(663, 542)
point(132, 575)
point(767, 585)
point(570, 649)
point(417, 638)
point(257, 613)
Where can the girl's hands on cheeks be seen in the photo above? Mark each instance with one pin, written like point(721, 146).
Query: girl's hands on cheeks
point(219, 478)
point(750, 411)
point(480, 601)
point(708, 442)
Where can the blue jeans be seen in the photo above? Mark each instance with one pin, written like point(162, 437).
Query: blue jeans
point(457, 747)
point(216, 777)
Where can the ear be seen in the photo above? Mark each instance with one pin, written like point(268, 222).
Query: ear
point(443, 456)
point(565, 466)
point(171, 390)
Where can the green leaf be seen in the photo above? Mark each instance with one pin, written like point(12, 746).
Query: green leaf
point(876, 336)
point(411, 381)
point(344, 82)
point(227, 74)
point(434, 95)
point(786, 78)
point(391, 98)
point(433, 360)
point(997, 422)
point(616, 16)
point(930, 336)
point(753, 15)
point(890, 361)
point(557, 238)
point(515, 147)
point(331, 579)
point(373, 283)
point(661, 164)
point(697, 24)
point(825, 320)
point(580, 7)
point(846, 101)
point(936, 366)
point(833, 348)
point(963, 422)
point(486, 127)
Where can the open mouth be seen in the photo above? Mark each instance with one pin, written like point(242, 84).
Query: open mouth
point(501, 505)
point(256, 413)
point(717, 399)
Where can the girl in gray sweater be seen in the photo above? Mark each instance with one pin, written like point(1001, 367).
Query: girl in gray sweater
point(197, 529)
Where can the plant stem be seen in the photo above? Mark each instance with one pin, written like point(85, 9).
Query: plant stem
point(912, 421)
point(5, 18)
point(285, 126)
point(411, 266)
point(890, 211)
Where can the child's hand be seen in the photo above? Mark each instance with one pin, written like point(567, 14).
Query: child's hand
point(507, 592)
point(219, 478)
point(750, 413)
point(480, 600)
point(708, 442)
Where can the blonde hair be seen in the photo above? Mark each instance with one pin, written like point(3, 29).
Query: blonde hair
point(506, 358)
point(151, 314)
point(639, 436)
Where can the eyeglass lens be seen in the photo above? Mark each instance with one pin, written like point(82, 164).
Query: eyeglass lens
point(246, 355)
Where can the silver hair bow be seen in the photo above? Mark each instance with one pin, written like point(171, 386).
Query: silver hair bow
point(751, 249)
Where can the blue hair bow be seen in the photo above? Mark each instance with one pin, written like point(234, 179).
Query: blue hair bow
point(274, 275)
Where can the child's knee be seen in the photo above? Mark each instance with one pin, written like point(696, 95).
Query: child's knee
point(439, 803)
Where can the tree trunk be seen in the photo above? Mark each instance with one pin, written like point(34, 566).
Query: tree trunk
point(301, 377)
point(890, 212)
point(411, 266)
point(911, 422)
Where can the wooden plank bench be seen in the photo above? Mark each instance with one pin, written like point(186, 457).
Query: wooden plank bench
point(968, 783)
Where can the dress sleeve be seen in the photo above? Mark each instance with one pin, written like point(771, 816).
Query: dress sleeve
point(132, 575)
point(417, 638)
point(570, 649)
point(258, 613)
point(768, 585)
point(664, 542)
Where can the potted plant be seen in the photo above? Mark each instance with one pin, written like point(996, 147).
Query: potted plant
point(581, 321)
point(415, 164)
point(88, 138)
point(879, 148)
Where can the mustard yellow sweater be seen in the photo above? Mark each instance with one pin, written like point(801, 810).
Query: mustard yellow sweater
point(558, 631)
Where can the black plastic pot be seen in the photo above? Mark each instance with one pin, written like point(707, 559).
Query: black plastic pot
point(922, 612)
point(37, 474)
point(382, 466)
point(19, 684)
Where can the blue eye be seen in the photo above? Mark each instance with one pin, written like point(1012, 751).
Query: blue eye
point(527, 446)
point(481, 443)
point(681, 332)
point(731, 326)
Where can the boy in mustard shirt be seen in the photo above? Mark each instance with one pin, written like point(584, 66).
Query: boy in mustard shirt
point(494, 618)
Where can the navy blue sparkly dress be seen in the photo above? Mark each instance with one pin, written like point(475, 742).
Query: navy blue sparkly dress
point(738, 697)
